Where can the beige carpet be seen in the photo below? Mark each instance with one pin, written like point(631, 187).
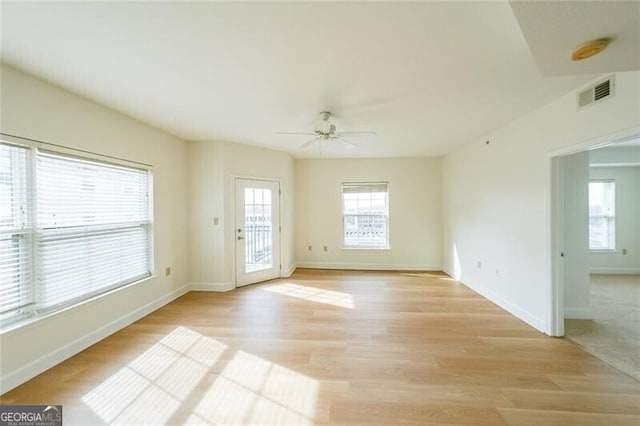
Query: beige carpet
point(613, 334)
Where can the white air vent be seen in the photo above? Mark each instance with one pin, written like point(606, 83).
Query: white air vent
point(596, 93)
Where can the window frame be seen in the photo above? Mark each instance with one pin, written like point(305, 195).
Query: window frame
point(22, 233)
point(610, 218)
point(385, 215)
point(33, 311)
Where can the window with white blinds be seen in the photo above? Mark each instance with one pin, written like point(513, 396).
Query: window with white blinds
point(91, 229)
point(16, 231)
point(602, 215)
point(365, 215)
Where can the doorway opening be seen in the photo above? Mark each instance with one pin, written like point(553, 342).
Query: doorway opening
point(596, 254)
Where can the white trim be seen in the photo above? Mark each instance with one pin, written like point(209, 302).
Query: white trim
point(220, 287)
point(372, 266)
point(555, 248)
point(577, 313)
point(555, 229)
point(517, 311)
point(596, 165)
point(614, 270)
point(290, 271)
point(31, 370)
point(598, 142)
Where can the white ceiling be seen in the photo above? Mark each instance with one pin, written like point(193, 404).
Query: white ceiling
point(427, 76)
point(555, 28)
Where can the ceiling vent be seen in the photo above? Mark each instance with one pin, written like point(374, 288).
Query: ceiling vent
point(596, 93)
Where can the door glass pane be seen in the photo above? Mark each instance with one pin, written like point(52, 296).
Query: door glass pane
point(258, 229)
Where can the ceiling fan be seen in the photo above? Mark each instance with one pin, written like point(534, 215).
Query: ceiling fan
point(325, 131)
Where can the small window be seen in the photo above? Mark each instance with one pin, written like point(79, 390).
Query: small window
point(602, 215)
point(365, 215)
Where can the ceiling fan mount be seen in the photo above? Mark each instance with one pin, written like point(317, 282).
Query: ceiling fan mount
point(324, 129)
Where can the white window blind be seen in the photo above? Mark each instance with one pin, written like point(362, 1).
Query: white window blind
point(70, 228)
point(602, 215)
point(365, 213)
point(93, 228)
point(16, 290)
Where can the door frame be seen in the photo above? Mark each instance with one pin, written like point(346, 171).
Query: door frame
point(235, 177)
point(555, 229)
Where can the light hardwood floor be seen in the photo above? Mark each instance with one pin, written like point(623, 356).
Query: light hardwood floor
point(336, 347)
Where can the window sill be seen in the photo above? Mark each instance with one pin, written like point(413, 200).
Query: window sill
point(26, 321)
point(610, 251)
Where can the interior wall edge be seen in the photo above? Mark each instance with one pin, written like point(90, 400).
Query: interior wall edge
point(290, 271)
point(515, 310)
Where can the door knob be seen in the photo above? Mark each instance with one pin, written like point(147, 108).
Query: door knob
point(240, 238)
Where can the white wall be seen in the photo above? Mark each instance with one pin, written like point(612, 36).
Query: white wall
point(415, 213)
point(213, 168)
point(616, 154)
point(627, 222)
point(497, 197)
point(32, 108)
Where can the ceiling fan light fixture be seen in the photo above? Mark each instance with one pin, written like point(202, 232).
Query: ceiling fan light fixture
point(589, 49)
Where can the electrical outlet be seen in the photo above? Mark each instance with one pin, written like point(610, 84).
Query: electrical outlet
point(479, 264)
point(167, 271)
point(326, 248)
point(310, 248)
point(624, 252)
point(497, 272)
point(216, 220)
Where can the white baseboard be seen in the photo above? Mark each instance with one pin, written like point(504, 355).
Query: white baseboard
point(211, 286)
point(29, 371)
point(577, 313)
point(372, 266)
point(614, 270)
point(508, 306)
point(289, 272)
point(448, 272)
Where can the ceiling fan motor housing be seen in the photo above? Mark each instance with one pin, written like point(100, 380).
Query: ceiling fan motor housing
point(324, 129)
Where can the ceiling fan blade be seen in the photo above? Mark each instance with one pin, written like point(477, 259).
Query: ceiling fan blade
point(358, 133)
point(345, 142)
point(309, 143)
point(296, 133)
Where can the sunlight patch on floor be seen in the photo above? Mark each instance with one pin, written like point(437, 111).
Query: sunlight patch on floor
point(253, 390)
point(335, 298)
point(151, 388)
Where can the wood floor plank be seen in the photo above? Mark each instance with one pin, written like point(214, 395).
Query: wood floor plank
point(339, 347)
point(587, 402)
point(522, 417)
point(405, 413)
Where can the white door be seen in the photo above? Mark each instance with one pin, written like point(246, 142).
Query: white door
point(257, 232)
